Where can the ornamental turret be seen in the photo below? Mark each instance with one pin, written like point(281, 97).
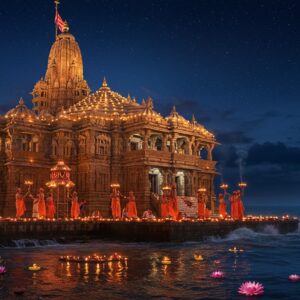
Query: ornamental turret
point(64, 84)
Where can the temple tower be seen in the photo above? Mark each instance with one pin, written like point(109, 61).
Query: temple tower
point(64, 84)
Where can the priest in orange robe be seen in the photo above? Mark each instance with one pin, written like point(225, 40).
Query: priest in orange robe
point(50, 206)
point(164, 207)
point(173, 203)
point(115, 204)
point(75, 209)
point(222, 206)
point(42, 204)
point(234, 206)
point(240, 206)
point(20, 203)
point(131, 206)
point(201, 205)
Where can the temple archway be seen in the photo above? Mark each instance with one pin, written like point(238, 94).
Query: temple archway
point(135, 142)
point(156, 180)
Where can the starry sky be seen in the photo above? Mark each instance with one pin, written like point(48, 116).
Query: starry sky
point(234, 64)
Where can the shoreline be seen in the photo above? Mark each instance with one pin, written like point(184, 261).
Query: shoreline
point(138, 230)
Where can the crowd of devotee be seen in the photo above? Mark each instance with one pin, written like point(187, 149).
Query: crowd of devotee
point(44, 207)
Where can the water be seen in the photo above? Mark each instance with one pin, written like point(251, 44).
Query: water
point(268, 257)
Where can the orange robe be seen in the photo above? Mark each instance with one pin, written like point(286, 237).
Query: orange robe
point(42, 207)
point(50, 208)
point(240, 209)
point(75, 209)
point(222, 209)
point(173, 208)
point(201, 209)
point(207, 213)
point(20, 207)
point(116, 207)
point(234, 207)
point(164, 207)
point(131, 208)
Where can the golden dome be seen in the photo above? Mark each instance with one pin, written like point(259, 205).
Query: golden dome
point(104, 102)
point(21, 112)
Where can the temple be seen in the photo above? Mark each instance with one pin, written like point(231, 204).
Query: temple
point(103, 137)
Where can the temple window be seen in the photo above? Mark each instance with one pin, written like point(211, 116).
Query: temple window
point(135, 142)
point(155, 143)
point(203, 153)
point(102, 145)
point(181, 146)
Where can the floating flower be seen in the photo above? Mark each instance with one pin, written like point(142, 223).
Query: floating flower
point(2, 270)
point(217, 274)
point(253, 288)
point(217, 261)
point(294, 277)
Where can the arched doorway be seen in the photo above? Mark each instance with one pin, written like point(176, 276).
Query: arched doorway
point(156, 180)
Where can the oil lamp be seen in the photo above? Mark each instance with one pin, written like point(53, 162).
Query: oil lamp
point(29, 184)
point(224, 187)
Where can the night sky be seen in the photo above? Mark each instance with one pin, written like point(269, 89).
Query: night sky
point(234, 64)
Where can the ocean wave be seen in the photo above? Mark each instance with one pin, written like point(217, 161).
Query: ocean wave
point(28, 243)
point(247, 234)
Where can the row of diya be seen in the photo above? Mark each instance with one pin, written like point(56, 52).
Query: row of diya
point(94, 258)
point(211, 219)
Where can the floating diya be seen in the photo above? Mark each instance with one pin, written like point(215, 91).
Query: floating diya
point(165, 261)
point(198, 257)
point(93, 258)
point(235, 250)
point(34, 268)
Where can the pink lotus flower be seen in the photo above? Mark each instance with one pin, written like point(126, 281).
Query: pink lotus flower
point(217, 261)
point(294, 277)
point(217, 274)
point(249, 288)
point(2, 270)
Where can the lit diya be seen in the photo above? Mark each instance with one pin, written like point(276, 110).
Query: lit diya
point(34, 268)
point(198, 257)
point(93, 258)
point(235, 250)
point(165, 261)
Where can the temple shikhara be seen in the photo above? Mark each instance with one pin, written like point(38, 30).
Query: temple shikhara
point(104, 137)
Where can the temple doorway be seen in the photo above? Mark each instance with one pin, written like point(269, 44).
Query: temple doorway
point(156, 179)
point(180, 185)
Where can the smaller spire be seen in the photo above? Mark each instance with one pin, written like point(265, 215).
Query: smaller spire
point(129, 98)
point(21, 101)
point(194, 121)
point(66, 27)
point(174, 113)
point(104, 83)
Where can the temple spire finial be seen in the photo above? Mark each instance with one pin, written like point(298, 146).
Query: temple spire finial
point(66, 27)
point(21, 101)
point(104, 83)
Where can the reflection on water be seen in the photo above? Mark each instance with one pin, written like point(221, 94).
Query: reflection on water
point(142, 277)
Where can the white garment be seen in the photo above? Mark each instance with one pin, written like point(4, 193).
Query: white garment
point(35, 208)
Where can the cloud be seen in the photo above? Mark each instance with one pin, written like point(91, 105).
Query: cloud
point(273, 153)
point(234, 137)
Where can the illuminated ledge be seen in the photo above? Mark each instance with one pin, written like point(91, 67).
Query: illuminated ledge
point(135, 231)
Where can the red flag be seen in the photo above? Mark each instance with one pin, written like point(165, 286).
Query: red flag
point(59, 22)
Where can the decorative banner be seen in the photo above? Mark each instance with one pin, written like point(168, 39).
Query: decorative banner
point(188, 206)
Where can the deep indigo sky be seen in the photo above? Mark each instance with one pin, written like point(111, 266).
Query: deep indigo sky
point(235, 64)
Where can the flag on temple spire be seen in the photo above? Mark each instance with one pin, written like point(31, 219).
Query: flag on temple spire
point(59, 21)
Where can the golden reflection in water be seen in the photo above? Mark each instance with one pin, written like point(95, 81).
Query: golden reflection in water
point(34, 278)
point(86, 272)
point(68, 271)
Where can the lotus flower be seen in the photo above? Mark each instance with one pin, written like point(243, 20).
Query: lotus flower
point(253, 288)
point(294, 277)
point(217, 274)
point(2, 270)
point(217, 261)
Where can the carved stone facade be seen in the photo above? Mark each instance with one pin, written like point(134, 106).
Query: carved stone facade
point(104, 138)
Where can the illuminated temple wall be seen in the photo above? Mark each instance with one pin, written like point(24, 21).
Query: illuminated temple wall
point(104, 137)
